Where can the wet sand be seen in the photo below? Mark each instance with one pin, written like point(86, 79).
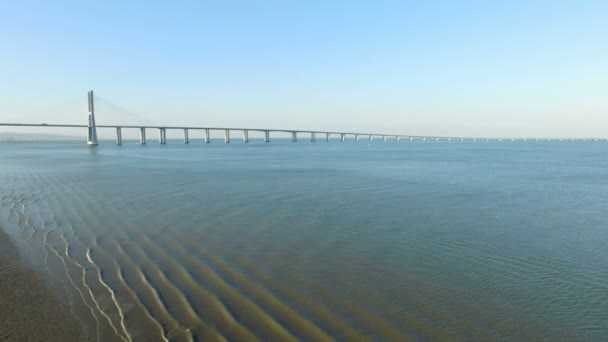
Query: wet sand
point(29, 311)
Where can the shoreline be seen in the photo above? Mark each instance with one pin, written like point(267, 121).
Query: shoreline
point(31, 311)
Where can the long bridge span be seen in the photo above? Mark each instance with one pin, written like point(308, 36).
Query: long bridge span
point(327, 135)
point(296, 134)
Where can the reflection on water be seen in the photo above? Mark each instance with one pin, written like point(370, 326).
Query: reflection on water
point(317, 241)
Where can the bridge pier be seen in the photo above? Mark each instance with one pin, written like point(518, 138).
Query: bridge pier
point(384, 138)
point(398, 138)
point(118, 135)
point(142, 136)
point(246, 136)
point(371, 138)
point(356, 137)
point(342, 137)
point(294, 137)
point(227, 136)
point(267, 136)
point(312, 137)
point(186, 139)
point(328, 137)
point(162, 136)
point(207, 135)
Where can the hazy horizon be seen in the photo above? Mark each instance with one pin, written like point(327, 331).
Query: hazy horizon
point(516, 69)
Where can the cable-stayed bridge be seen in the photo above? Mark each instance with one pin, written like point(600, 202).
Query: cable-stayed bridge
point(91, 128)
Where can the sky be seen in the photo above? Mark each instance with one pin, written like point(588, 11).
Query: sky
point(463, 68)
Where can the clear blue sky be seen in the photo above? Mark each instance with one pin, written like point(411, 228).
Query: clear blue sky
point(498, 68)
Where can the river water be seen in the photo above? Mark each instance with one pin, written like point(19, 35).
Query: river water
point(317, 241)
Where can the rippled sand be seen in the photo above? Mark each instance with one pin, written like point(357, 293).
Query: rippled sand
point(157, 288)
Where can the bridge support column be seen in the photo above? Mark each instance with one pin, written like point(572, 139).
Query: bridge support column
point(294, 137)
point(398, 138)
point(142, 136)
point(384, 138)
point(186, 138)
point(371, 138)
point(227, 136)
point(162, 136)
point(328, 137)
point(92, 128)
point(357, 137)
point(118, 135)
point(207, 135)
point(267, 136)
point(411, 138)
point(245, 136)
point(313, 138)
point(342, 137)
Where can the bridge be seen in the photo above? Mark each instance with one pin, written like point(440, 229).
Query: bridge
point(162, 132)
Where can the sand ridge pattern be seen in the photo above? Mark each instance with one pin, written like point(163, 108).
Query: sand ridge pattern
point(130, 286)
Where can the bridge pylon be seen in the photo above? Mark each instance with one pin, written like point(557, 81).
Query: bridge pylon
point(92, 128)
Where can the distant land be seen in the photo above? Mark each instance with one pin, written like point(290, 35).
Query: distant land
point(8, 137)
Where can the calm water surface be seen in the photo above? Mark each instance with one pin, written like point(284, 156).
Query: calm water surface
point(317, 241)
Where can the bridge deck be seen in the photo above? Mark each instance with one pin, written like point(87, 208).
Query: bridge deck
point(209, 128)
point(291, 131)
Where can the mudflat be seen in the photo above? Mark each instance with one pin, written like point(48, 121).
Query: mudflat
point(29, 310)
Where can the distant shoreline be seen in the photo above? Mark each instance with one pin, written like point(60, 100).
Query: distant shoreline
point(27, 137)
